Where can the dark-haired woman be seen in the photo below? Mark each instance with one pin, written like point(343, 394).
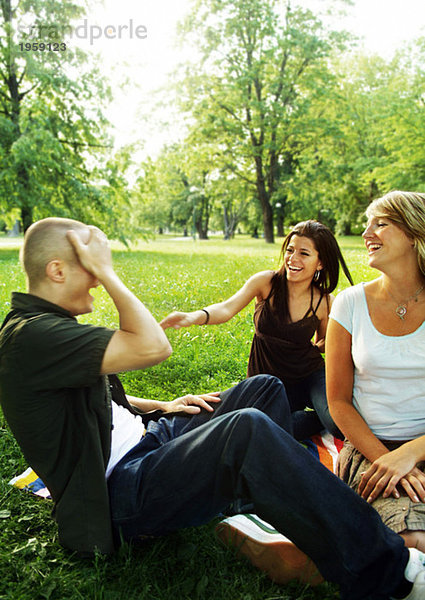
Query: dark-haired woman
point(291, 317)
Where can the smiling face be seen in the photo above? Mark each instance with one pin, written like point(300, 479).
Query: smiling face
point(387, 244)
point(301, 259)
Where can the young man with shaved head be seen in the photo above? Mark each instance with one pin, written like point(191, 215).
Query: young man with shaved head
point(114, 472)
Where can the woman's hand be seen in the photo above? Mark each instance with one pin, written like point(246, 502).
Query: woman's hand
point(192, 404)
point(182, 319)
point(389, 470)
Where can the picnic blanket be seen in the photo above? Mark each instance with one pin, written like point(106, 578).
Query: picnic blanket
point(30, 482)
point(324, 446)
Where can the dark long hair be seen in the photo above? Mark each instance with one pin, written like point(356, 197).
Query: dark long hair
point(329, 254)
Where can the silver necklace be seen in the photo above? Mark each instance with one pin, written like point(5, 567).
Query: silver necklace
point(401, 309)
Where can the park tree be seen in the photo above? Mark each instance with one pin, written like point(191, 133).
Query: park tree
point(403, 128)
point(232, 197)
point(336, 174)
point(151, 194)
point(178, 188)
point(371, 139)
point(260, 68)
point(55, 155)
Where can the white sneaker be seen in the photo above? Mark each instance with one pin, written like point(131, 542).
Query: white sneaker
point(415, 572)
point(268, 549)
point(418, 590)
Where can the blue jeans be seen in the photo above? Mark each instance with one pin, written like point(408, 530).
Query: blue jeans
point(187, 470)
point(310, 391)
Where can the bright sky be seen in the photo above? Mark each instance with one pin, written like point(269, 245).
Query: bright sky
point(141, 49)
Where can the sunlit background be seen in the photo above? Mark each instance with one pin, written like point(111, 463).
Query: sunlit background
point(382, 26)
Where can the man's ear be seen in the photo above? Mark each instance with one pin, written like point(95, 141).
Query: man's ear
point(55, 270)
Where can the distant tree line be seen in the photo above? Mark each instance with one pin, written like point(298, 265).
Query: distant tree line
point(284, 121)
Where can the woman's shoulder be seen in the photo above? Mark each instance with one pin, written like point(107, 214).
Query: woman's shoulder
point(346, 296)
point(351, 293)
point(348, 302)
point(261, 283)
point(321, 303)
point(264, 275)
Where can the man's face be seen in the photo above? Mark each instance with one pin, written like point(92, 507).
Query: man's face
point(79, 282)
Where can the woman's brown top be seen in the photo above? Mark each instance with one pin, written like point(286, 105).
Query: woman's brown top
point(284, 349)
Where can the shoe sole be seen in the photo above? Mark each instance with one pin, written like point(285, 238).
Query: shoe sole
point(268, 550)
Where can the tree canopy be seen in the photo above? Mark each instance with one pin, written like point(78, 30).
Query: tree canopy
point(284, 120)
point(260, 71)
point(55, 153)
point(294, 121)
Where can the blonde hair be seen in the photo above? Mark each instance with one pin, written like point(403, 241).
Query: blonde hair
point(45, 241)
point(407, 211)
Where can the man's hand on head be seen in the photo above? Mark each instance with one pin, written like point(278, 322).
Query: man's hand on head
point(92, 249)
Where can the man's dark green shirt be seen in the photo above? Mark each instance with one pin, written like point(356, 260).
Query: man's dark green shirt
point(58, 407)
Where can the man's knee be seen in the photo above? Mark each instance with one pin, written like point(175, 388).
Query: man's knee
point(249, 420)
point(265, 386)
point(266, 380)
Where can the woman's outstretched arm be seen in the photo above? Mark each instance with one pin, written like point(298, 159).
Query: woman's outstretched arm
point(258, 286)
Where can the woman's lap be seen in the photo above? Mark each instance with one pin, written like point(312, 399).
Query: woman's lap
point(398, 514)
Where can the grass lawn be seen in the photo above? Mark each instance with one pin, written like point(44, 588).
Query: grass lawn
point(166, 274)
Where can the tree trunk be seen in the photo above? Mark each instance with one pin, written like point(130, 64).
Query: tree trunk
point(15, 98)
point(202, 218)
point(226, 224)
point(201, 226)
point(26, 217)
point(268, 224)
point(202, 230)
point(264, 199)
point(279, 225)
point(230, 223)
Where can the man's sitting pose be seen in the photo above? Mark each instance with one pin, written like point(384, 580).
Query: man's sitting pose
point(114, 474)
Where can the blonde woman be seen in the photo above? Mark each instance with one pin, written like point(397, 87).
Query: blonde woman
point(375, 368)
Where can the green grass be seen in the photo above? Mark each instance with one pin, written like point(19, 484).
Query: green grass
point(191, 564)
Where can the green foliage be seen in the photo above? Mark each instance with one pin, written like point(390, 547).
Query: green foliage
point(54, 145)
point(404, 121)
point(249, 97)
point(286, 121)
point(190, 564)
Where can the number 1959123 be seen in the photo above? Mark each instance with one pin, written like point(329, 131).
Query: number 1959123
point(42, 47)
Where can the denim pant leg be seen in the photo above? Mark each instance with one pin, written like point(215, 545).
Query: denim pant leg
point(311, 392)
point(264, 392)
point(305, 423)
point(319, 401)
point(243, 454)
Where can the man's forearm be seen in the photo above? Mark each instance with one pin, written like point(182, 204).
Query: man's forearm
point(144, 405)
point(140, 341)
point(134, 317)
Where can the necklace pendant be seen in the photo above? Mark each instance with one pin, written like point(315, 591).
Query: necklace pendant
point(401, 311)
